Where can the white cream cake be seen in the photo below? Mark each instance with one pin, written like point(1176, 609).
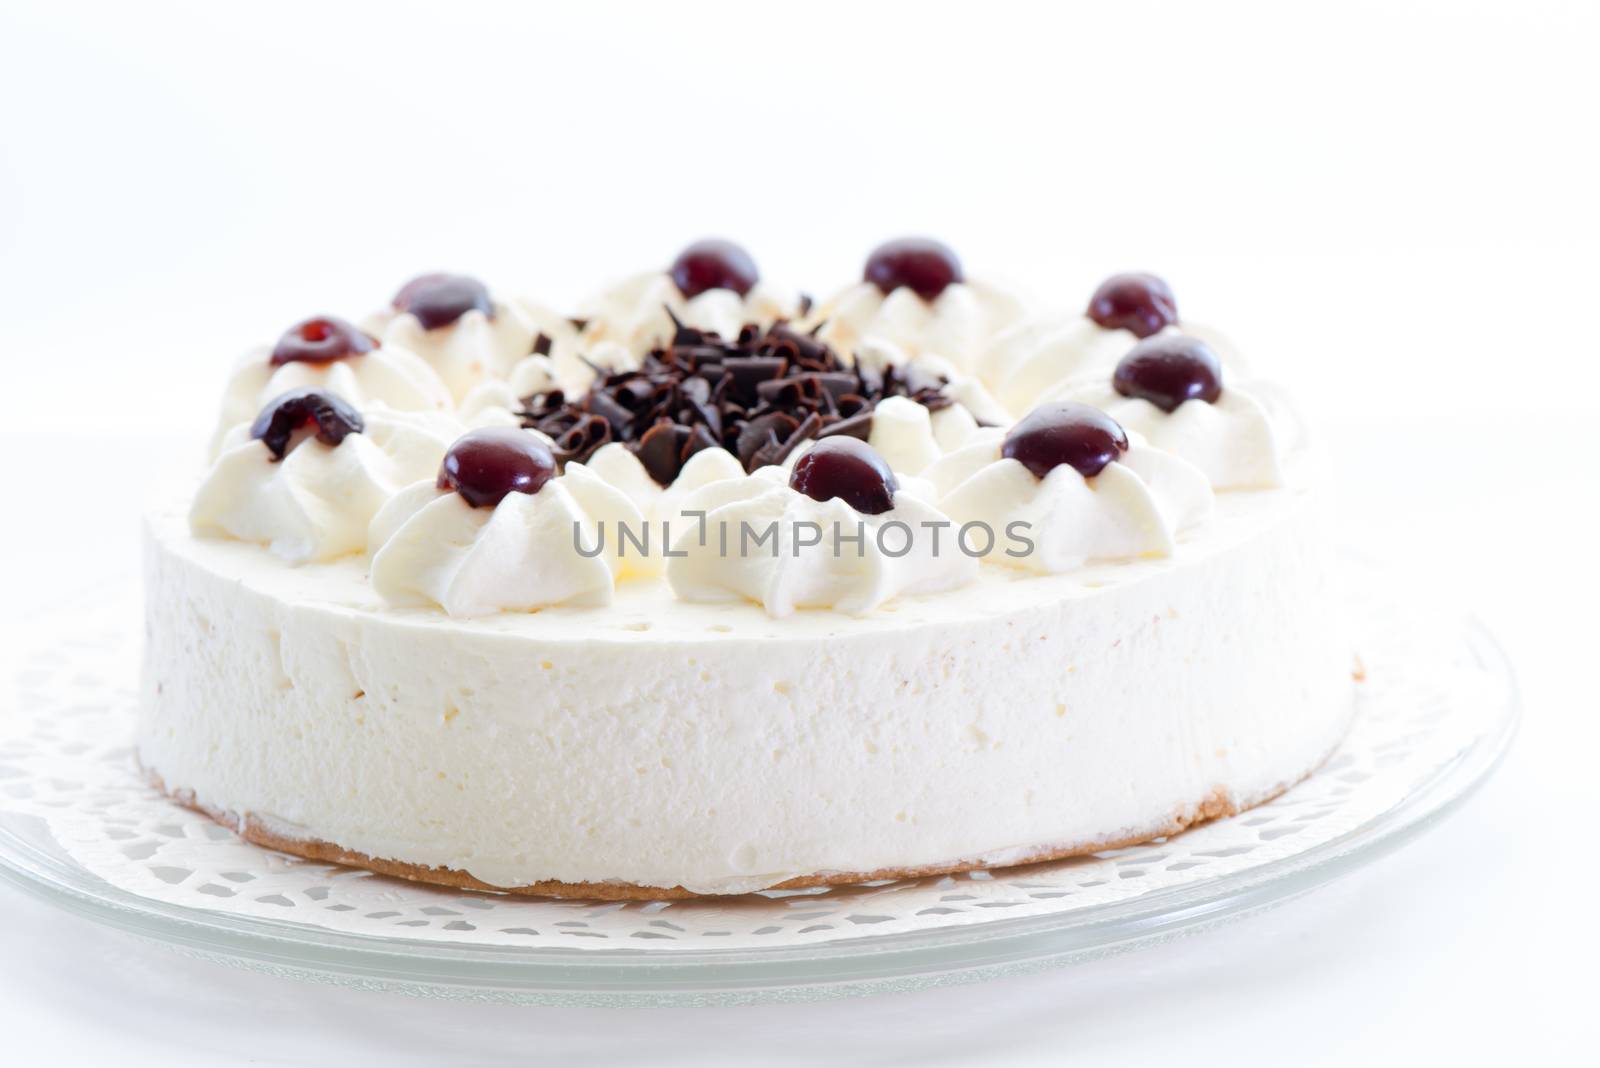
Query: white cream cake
point(730, 608)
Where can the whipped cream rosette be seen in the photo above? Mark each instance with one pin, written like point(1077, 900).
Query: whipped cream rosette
point(497, 401)
point(915, 296)
point(837, 532)
point(307, 477)
point(1169, 389)
point(499, 530)
point(661, 506)
point(466, 334)
point(912, 435)
point(1066, 486)
point(902, 433)
point(329, 354)
point(1032, 359)
point(713, 286)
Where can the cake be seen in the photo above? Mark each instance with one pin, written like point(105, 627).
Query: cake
point(714, 588)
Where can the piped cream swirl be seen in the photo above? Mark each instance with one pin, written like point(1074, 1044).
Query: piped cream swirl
point(957, 325)
point(316, 502)
point(1236, 440)
point(389, 375)
point(660, 505)
point(477, 347)
point(910, 436)
point(1039, 357)
point(763, 541)
point(530, 551)
point(1136, 506)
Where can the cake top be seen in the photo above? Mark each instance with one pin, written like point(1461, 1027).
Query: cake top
point(703, 428)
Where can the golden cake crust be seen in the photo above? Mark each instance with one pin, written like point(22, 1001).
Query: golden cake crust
point(1215, 805)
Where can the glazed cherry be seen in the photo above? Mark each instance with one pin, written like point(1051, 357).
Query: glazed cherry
point(921, 264)
point(1140, 303)
point(440, 299)
point(290, 413)
point(1065, 432)
point(1168, 370)
point(321, 340)
point(849, 469)
point(485, 465)
point(714, 264)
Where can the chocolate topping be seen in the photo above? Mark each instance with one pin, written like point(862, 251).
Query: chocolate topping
point(759, 396)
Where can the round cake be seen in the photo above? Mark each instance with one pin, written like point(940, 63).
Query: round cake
point(711, 588)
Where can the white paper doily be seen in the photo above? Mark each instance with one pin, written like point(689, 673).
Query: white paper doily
point(78, 824)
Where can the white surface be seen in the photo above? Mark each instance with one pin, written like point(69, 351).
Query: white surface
point(1391, 208)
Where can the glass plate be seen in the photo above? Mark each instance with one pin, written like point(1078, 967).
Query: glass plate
point(79, 828)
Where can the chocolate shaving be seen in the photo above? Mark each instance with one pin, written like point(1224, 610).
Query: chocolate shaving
point(760, 396)
point(856, 426)
point(541, 344)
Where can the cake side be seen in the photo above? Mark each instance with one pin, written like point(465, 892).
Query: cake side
point(720, 751)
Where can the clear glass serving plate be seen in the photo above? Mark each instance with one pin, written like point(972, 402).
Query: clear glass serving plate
point(80, 828)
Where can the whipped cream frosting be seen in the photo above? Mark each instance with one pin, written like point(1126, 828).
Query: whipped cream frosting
point(530, 551)
point(632, 313)
point(1161, 487)
point(1037, 358)
point(476, 347)
point(1235, 440)
point(496, 401)
point(808, 562)
point(907, 434)
point(1137, 506)
point(388, 375)
point(902, 433)
point(316, 502)
point(660, 505)
point(957, 325)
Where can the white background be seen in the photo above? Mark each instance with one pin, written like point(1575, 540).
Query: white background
point(1392, 207)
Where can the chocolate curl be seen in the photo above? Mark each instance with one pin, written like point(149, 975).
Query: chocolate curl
point(759, 395)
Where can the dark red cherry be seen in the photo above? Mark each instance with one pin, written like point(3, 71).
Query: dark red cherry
point(1065, 432)
point(714, 264)
point(485, 465)
point(849, 469)
point(321, 340)
point(1137, 302)
point(292, 412)
point(1168, 370)
point(440, 299)
point(921, 264)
